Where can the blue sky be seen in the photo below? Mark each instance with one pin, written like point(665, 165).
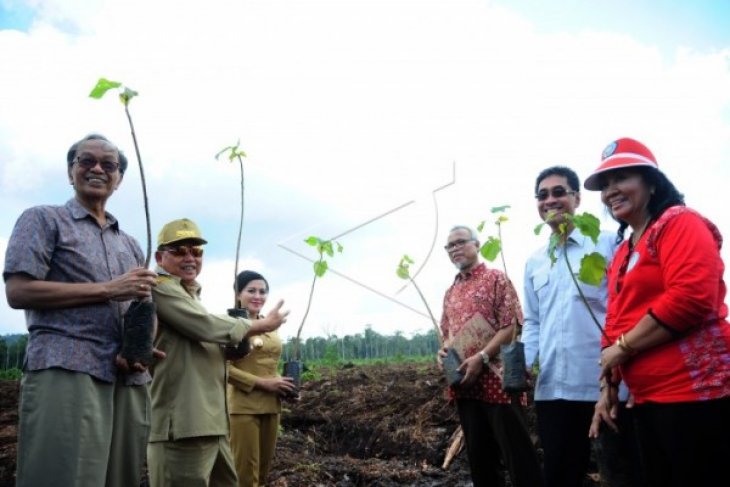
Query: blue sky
point(15, 15)
point(667, 24)
point(351, 108)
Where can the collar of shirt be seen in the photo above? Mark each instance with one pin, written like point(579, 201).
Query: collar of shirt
point(575, 237)
point(477, 270)
point(193, 288)
point(78, 212)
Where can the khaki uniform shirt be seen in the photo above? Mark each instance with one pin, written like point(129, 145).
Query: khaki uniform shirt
point(188, 387)
point(242, 374)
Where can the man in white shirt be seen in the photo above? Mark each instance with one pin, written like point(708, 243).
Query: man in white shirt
point(560, 333)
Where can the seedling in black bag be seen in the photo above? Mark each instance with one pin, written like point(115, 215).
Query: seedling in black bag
point(294, 367)
point(139, 320)
point(514, 373)
point(242, 349)
point(452, 361)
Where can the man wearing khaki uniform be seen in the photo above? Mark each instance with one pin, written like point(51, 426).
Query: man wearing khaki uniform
point(189, 439)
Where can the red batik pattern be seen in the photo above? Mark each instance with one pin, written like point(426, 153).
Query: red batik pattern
point(477, 306)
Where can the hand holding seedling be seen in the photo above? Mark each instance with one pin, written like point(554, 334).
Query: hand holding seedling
point(140, 315)
point(134, 284)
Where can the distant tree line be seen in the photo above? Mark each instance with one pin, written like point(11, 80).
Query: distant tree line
point(12, 351)
point(362, 346)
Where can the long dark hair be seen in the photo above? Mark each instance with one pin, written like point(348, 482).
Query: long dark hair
point(665, 195)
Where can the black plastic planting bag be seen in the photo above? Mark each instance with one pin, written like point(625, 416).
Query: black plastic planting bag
point(293, 369)
point(451, 363)
point(139, 322)
point(515, 368)
point(234, 352)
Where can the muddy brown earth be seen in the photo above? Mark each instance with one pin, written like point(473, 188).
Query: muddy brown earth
point(377, 425)
point(8, 430)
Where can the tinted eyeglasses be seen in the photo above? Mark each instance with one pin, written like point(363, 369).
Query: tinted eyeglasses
point(184, 250)
point(457, 244)
point(556, 192)
point(88, 162)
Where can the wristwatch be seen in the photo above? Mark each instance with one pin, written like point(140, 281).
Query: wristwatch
point(485, 357)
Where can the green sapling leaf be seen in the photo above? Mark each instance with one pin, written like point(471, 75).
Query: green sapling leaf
point(320, 267)
point(313, 241)
point(552, 246)
point(126, 95)
point(102, 86)
point(500, 209)
point(588, 225)
point(327, 248)
point(480, 227)
point(403, 270)
point(233, 152)
point(491, 248)
point(592, 269)
point(538, 228)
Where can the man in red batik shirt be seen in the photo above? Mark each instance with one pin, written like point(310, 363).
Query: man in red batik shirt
point(480, 310)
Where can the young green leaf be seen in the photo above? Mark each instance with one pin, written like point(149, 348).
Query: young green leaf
point(326, 247)
point(313, 241)
point(592, 269)
point(320, 267)
point(126, 95)
point(403, 273)
point(552, 246)
point(102, 86)
point(480, 227)
point(403, 267)
point(491, 248)
point(588, 225)
point(500, 209)
point(339, 247)
point(233, 152)
point(538, 228)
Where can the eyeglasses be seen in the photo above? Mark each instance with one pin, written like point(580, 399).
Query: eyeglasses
point(556, 192)
point(457, 244)
point(90, 162)
point(184, 250)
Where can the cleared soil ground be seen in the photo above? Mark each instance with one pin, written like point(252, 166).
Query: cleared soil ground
point(379, 425)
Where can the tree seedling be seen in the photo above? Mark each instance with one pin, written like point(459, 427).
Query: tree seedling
point(140, 316)
point(452, 361)
point(592, 266)
point(514, 379)
point(403, 271)
point(234, 153)
point(325, 248)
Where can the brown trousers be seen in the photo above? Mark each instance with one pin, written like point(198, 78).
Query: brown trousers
point(253, 441)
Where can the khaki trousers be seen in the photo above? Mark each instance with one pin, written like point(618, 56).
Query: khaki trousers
point(75, 430)
point(203, 461)
point(253, 441)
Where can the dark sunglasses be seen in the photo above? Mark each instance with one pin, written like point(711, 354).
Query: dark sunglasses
point(89, 162)
point(183, 250)
point(556, 192)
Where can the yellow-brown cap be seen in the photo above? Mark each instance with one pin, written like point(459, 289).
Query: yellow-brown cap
point(179, 230)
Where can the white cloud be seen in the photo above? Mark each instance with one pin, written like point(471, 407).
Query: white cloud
point(347, 109)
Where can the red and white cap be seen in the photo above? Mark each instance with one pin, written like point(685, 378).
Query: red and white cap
point(620, 154)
